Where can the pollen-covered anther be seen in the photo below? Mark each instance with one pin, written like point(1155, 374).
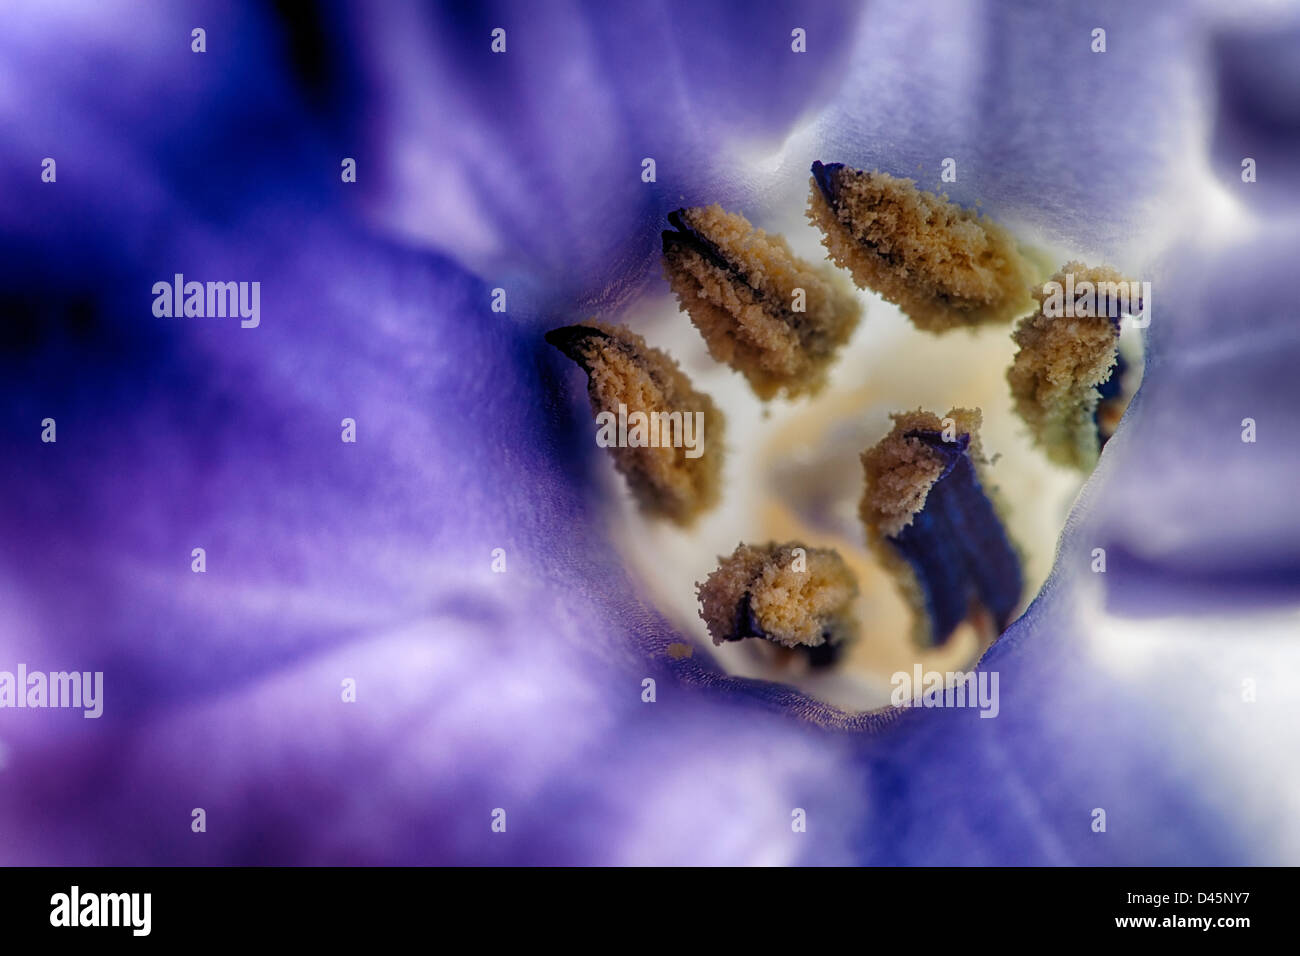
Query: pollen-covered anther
point(666, 438)
point(1066, 378)
point(932, 524)
point(771, 316)
point(946, 267)
point(789, 594)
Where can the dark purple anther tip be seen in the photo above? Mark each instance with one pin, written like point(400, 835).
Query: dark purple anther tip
point(680, 233)
point(746, 624)
point(573, 341)
point(693, 239)
point(825, 174)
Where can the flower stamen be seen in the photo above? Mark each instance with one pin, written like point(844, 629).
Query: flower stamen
point(667, 480)
point(768, 314)
point(1066, 379)
point(933, 526)
point(946, 267)
point(792, 595)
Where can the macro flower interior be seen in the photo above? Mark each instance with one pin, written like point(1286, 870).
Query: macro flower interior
point(343, 573)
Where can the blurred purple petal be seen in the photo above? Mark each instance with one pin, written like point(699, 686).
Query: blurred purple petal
point(1195, 515)
point(527, 164)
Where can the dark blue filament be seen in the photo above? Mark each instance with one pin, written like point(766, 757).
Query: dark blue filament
point(956, 544)
point(1109, 390)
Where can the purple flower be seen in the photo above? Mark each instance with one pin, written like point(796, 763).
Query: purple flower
point(1162, 691)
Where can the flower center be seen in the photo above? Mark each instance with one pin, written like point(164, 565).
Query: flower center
point(793, 473)
point(956, 533)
